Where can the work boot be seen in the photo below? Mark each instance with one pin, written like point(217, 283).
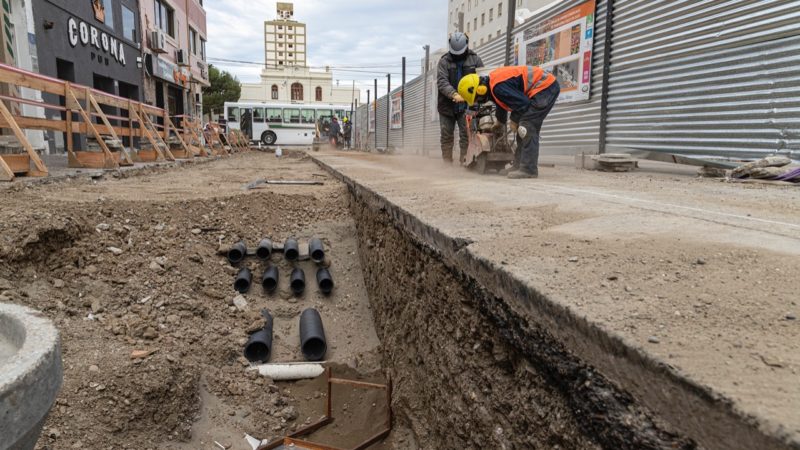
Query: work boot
point(521, 173)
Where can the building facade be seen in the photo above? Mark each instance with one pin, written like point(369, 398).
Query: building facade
point(285, 39)
point(94, 43)
point(174, 57)
point(485, 20)
point(297, 85)
point(286, 77)
point(18, 49)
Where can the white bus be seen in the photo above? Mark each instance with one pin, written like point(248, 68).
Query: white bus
point(284, 124)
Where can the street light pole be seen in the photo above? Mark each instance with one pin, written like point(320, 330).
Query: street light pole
point(388, 107)
point(425, 99)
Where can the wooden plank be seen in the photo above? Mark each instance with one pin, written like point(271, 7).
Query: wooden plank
point(19, 163)
point(6, 174)
point(110, 162)
point(146, 134)
point(41, 169)
point(34, 123)
point(21, 78)
point(156, 136)
point(109, 128)
point(183, 143)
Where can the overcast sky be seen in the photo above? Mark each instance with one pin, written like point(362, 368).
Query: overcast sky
point(340, 33)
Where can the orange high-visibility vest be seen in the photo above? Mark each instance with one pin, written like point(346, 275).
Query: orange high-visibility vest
point(534, 78)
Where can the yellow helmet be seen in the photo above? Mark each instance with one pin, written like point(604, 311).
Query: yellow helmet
point(469, 87)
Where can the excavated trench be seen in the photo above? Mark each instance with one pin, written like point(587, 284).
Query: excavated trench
point(468, 371)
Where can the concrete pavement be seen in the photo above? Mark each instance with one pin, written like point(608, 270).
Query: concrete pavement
point(682, 291)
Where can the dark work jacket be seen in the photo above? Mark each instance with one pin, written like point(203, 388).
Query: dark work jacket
point(447, 79)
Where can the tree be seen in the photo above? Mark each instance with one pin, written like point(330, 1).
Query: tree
point(224, 88)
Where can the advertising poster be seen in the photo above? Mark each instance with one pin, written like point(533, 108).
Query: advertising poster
point(562, 45)
point(372, 108)
point(397, 110)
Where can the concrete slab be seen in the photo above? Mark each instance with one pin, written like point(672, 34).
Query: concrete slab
point(30, 375)
point(680, 290)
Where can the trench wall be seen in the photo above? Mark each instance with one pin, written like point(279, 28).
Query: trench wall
point(471, 373)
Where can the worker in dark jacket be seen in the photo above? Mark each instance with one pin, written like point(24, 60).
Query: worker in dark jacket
point(336, 129)
point(529, 94)
point(459, 61)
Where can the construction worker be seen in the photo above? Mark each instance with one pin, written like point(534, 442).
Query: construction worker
point(347, 132)
point(335, 131)
point(459, 61)
point(528, 93)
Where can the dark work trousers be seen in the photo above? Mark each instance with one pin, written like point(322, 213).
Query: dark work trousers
point(532, 119)
point(447, 137)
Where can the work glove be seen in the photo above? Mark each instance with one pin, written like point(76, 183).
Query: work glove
point(458, 98)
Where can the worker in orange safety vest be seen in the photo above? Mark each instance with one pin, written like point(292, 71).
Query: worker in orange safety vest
point(529, 94)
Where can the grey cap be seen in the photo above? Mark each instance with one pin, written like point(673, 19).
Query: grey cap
point(458, 43)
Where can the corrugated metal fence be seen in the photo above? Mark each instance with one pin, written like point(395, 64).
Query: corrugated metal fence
point(685, 77)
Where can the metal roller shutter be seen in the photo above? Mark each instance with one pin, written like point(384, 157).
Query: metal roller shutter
point(705, 77)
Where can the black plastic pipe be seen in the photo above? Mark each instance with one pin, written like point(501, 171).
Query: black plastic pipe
point(316, 250)
point(291, 250)
point(237, 253)
point(312, 335)
point(270, 279)
point(243, 280)
point(324, 281)
point(298, 281)
point(264, 250)
point(259, 345)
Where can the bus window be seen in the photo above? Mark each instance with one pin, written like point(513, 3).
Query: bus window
point(324, 114)
point(340, 114)
point(274, 115)
point(258, 115)
point(307, 115)
point(291, 115)
point(233, 114)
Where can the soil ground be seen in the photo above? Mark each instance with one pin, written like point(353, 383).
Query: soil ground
point(132, 264)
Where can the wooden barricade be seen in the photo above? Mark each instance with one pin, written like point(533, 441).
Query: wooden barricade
point(79, 110)
point(192, 130)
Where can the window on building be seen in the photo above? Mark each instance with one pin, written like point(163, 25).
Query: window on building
point(129, 24)
point(498, 33)
point(499, 9)
point(290, 28)
point(291, 55)
point(274, 114)
point(203, 48)
point(297, 92)
point(483, 19)
point(193, 41)
point(291, 46)
point(280, 53)
point(475, 24)
point(307, 116)
point(258, 115)
point(291, 115)
point(108, 6)
point(491, 14)
point(280, 27)
point(318, 95)
point(165, 18)
point(468, 27)
point(274, 91)
point(280, 36)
